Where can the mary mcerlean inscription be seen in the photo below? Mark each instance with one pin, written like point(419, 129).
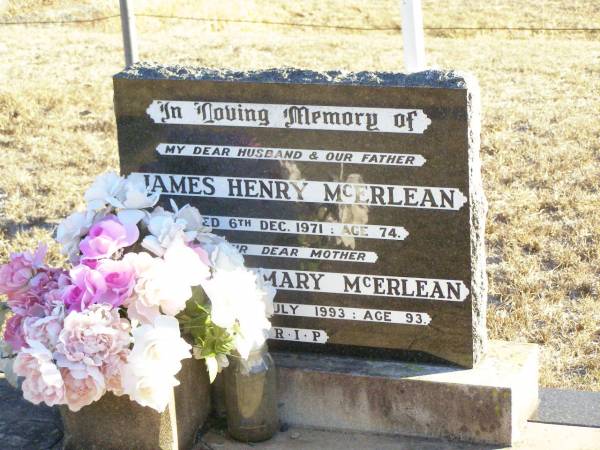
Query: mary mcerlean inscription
point(357, 196)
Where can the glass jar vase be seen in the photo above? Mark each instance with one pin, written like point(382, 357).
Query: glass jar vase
point(251, 397)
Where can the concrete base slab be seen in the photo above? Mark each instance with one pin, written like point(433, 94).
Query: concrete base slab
point(536, 436)
point(487, 404)
point(569, 407)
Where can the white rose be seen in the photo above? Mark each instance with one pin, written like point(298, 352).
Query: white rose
point(253, 325)
point(149, 375)
point(139, 312)
point(155, 288)
point(185, 263)
point(253, 312)
point(171, 293)
point(153, 391)
point(104, 191)
point(267, 293)
point(160, 343)
point(182, 269)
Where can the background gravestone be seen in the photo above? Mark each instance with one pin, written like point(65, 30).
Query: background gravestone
point(358, 194)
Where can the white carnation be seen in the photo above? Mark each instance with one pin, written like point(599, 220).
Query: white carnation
point(70, 231)
point(129, 196)
point(165, 228)
point(225, 256)
point(134, 197)
point(104, 191)
point(191, 216)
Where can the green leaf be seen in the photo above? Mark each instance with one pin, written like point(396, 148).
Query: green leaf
point(208, 338)
point(3, 313)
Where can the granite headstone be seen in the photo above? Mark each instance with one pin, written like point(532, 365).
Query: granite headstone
point(358, 195)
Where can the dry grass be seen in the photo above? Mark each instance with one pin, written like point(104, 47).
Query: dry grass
point(540, 136)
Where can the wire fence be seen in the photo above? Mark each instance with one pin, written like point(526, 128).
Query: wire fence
point(301, 25)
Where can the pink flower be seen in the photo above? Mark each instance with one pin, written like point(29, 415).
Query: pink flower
point(13, 333)
point(22, 267)
point(45, 330)
point(83, 385)
point(119, 277)
point(91, 263)
point(45, 280)
point(92, 337)
point(113, 372)
point(43, 292)
point(50, 286)
point(29, 303)
point(87, 289)
point(108, 236)
point(54, 297)
point(43, 381)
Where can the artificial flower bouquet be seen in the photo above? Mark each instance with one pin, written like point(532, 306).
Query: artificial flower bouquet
point(140, 279)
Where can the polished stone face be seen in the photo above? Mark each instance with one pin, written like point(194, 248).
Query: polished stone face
point(370, 228)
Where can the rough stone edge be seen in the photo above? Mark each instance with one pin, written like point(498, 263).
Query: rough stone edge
point(526, 396)
point(430, 78)
point(496, 399)
point(356, 366)
point(477, 217)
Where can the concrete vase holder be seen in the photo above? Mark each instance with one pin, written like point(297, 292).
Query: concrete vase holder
point(117, 423)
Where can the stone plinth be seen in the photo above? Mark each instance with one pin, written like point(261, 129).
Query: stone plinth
point(115, 423)
point(487, 404)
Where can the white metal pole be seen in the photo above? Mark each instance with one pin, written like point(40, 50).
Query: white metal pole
point(412, 34)
point(129, 33)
